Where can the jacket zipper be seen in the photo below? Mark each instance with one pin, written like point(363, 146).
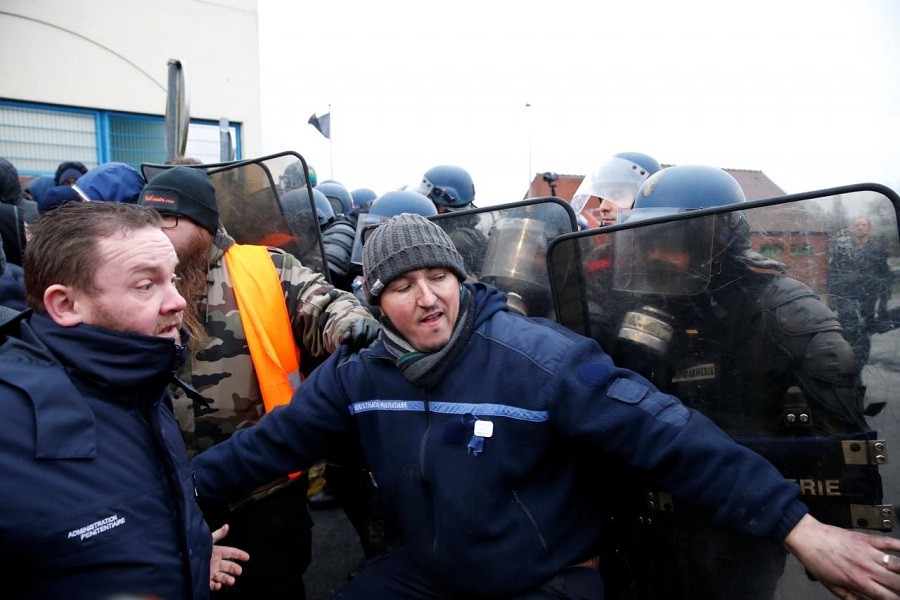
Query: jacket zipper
point(534, 525)
point(422, 452)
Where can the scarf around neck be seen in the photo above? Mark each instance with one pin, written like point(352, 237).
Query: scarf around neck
point(425, 369)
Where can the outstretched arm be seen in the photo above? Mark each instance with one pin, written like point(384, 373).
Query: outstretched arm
point(848, 563)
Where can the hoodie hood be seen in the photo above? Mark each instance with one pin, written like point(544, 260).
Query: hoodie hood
point(10, 188)
point(38, 186)
point(112, 182)
point(11, 192)
point(488, 301)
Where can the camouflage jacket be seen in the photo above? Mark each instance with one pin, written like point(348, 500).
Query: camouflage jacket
point(222, 371)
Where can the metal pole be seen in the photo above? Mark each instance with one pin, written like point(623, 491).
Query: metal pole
point(226, 153)
point(530, 177)
point(171, 119)
point(178, 111)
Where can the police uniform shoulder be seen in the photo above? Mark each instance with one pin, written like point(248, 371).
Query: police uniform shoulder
point(337, 230)
point(782, 290)
point(800, 311)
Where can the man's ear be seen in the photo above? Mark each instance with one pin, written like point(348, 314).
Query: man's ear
point(61, 305)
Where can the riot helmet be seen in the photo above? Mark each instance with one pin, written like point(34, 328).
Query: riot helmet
point(296, 205)
point(293, 177)
point(689, 187)
point(402, 201)
point(340, 197)
point(386, 206)
point(678, 257)
point(644, 161)
point(363, 197)
point(448, 186)
point(616, 180)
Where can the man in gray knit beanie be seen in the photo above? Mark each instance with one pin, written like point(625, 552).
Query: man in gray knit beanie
point(412, 270)
point(405, 243)
point(484, 430)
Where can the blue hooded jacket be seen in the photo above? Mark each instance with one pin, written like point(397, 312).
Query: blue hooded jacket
point(97, 498)
point(112, 182)
point(488, 473)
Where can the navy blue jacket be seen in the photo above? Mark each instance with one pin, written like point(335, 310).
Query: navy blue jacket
point(96, 496)
point(501, 513)
point(12, 287)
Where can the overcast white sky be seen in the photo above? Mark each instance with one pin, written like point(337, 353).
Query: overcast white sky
point(806, 91)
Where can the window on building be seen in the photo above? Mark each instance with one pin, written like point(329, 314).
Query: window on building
point(801, 250)
point(36, 138)
point(772, 250)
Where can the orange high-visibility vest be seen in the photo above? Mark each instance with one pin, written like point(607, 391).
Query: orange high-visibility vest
point(267, 327)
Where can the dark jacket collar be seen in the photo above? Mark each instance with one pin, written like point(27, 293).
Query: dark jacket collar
point(120, 368)
point(112, 360)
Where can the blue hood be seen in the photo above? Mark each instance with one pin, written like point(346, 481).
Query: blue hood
point(488, 301)
point(112, 182)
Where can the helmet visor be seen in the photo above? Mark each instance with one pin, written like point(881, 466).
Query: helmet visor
point(616, 180)
point(364, 221)
point(445, 196)
point(669, 259)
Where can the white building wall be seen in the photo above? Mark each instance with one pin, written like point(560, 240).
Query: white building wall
point(113, 54)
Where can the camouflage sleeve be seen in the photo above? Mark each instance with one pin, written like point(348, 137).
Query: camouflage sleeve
point(319, 312)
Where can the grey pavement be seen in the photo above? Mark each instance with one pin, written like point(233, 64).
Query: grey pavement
point(335, 553)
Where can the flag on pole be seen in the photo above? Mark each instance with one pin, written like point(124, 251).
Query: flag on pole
point(323, 124)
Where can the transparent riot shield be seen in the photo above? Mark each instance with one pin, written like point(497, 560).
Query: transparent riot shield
point(249, 194)
point(780, 320)
point(506, 246)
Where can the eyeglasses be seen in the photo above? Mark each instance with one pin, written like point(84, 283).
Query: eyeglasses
point(169, 221)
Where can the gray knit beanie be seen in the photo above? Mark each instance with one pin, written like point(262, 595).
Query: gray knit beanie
point(405, 243)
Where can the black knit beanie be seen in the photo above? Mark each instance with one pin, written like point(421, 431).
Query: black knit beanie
point(402, 244)
point(184, 191)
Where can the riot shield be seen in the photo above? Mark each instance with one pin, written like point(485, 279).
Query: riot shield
point(249, 194)
point(506, 246)
point(778, 319)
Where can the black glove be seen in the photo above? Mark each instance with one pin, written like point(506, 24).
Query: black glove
point(362, 334)
point(364, 302)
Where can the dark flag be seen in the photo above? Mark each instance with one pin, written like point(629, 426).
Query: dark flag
point(323, 124)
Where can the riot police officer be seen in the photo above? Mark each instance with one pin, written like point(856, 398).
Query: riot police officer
point(294, 177)
point(384, 207)
point(337, 232)
point(363, 198)
point(340, 197)
point(611, 187)
point(718, 325)
point(451, 189)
